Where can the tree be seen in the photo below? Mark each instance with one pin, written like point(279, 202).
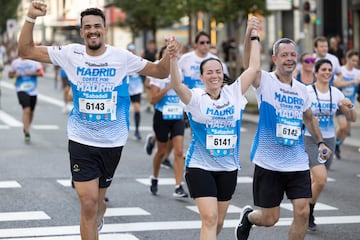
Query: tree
point(150, 15)
point(7, 11)
point(236, 13)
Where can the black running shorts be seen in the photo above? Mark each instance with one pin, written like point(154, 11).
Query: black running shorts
point(269, 186)
point(165, 129)
point(203, 183)
point(26, 100)
point(88, 163)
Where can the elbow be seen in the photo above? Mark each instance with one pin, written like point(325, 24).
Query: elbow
point(23, 53)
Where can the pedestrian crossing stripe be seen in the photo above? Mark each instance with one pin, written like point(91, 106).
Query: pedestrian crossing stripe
point(113, 236)
point(9, 120)
point(67, 231)
point(231, 209)
point(128, 211)
point(64, 182)
point(287, 206)
point(23, 216)
point(9, 184)
point(45, 127)
point(318, 207)
point(171, 181)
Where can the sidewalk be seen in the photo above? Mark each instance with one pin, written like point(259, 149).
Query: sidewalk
point(353, 140)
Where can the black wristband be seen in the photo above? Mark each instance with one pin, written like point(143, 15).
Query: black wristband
point(255, 38)
point(321, 143)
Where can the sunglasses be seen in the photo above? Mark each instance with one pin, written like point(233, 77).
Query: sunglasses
point(204, 42)
point(309, 60)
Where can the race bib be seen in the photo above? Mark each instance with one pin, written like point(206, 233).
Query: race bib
point(221, 142)
point(172, 112)
point(95, 109)
point(288, 131)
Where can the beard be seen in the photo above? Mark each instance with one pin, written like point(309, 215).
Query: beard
point(94, 47)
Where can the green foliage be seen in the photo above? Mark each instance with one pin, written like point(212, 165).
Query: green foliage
point(7, 11)
point(230, 10)
point(150, 15)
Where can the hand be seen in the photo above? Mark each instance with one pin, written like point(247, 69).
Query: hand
point(173, 47)
point(346, 102)
point(36, 9)
point(328, 151)
point(253, 24)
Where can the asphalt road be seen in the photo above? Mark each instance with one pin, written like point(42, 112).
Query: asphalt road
point(37, 201)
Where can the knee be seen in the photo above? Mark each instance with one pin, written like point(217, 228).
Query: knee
point(302, 212)
point(88, 205)
point(271, 221)
point(210, 219)
point(178, 154)
point(266, 220)
point(322, 183)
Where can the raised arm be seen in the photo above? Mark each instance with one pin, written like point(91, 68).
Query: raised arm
point(252, 56)
point(181, 89)
point(26, 46)
point(160, 69)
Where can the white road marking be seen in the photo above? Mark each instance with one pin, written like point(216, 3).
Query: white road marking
point(318, 207)
point(231, 209)
point(114, 236)
point(9, 120)
point(45, 127)
point(64, 182)
point(9, 184)
point(171, 181)
point(162, 181)
point(150, 226)
point(23, 216)
point(244, 180)
point(128, 211)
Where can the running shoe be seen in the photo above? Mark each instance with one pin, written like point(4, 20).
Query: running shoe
point(337, 152)
point(166, 164)
point(149, 144)
point(312, 224)
point(100, 225)
point(242, 230)
point(137, 136)
point(180, 192)
point(27, 137)
point(154, 186)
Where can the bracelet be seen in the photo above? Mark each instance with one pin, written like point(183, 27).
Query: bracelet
point(30, 20)
point(255, 38)
point(321, 142)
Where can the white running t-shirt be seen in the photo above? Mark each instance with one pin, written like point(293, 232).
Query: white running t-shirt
point(278, 144)
point(100, 116)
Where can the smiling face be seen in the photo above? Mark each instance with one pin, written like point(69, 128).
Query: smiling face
point(93, 32)
point(285, 59)
point(212, 75)
point(324, 73)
